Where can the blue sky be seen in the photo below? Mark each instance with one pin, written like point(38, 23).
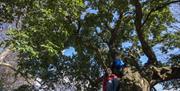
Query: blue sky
point(69, 51)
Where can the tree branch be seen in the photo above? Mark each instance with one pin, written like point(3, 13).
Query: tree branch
point(165, 74)
point(154, 89)
point(114, 33)
point(146, 48)
point(3, 55)
point(7, 65)
point(11, 67)
point(158, 8)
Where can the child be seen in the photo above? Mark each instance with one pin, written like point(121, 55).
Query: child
point(117, 67)
point(110, 82)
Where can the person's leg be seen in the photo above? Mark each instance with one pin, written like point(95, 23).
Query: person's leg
point(109, 86)
point(116, 84)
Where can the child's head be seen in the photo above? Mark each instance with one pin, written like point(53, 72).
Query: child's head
point(109, 71)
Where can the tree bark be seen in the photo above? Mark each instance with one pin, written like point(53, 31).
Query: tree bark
point(133, 81)
point(138, 25)
point(165, 74)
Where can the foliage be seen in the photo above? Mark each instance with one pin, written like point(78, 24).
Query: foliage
point(94, 28)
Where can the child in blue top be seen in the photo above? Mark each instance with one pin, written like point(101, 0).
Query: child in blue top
point(117, 67)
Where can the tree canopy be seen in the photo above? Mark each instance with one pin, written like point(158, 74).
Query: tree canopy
point(98, 30)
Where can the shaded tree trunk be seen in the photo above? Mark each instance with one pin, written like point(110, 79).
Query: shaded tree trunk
point(133, 81)
point(131, 87)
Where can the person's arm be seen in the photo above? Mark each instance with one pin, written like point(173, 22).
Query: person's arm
point(125, 65)
point(100, 79)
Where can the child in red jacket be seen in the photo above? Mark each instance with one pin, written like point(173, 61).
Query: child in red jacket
point(110, 82)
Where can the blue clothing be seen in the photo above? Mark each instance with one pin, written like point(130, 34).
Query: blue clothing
point(117, 67)
point(118, 64)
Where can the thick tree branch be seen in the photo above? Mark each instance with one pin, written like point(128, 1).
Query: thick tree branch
point(3, 55)
point(131, 57)
point(158, 8)
point(163, 74)
point(15, 70)
point(7, 65)
point(146, 48)
point(114, 34)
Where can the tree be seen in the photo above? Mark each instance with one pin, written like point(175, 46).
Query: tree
point(10, 77)
point(97, 30)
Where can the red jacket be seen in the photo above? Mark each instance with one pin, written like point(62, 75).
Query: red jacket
point(106, 79)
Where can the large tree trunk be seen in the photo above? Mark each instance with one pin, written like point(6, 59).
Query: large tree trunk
point(133, 81)
point(131, 87)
